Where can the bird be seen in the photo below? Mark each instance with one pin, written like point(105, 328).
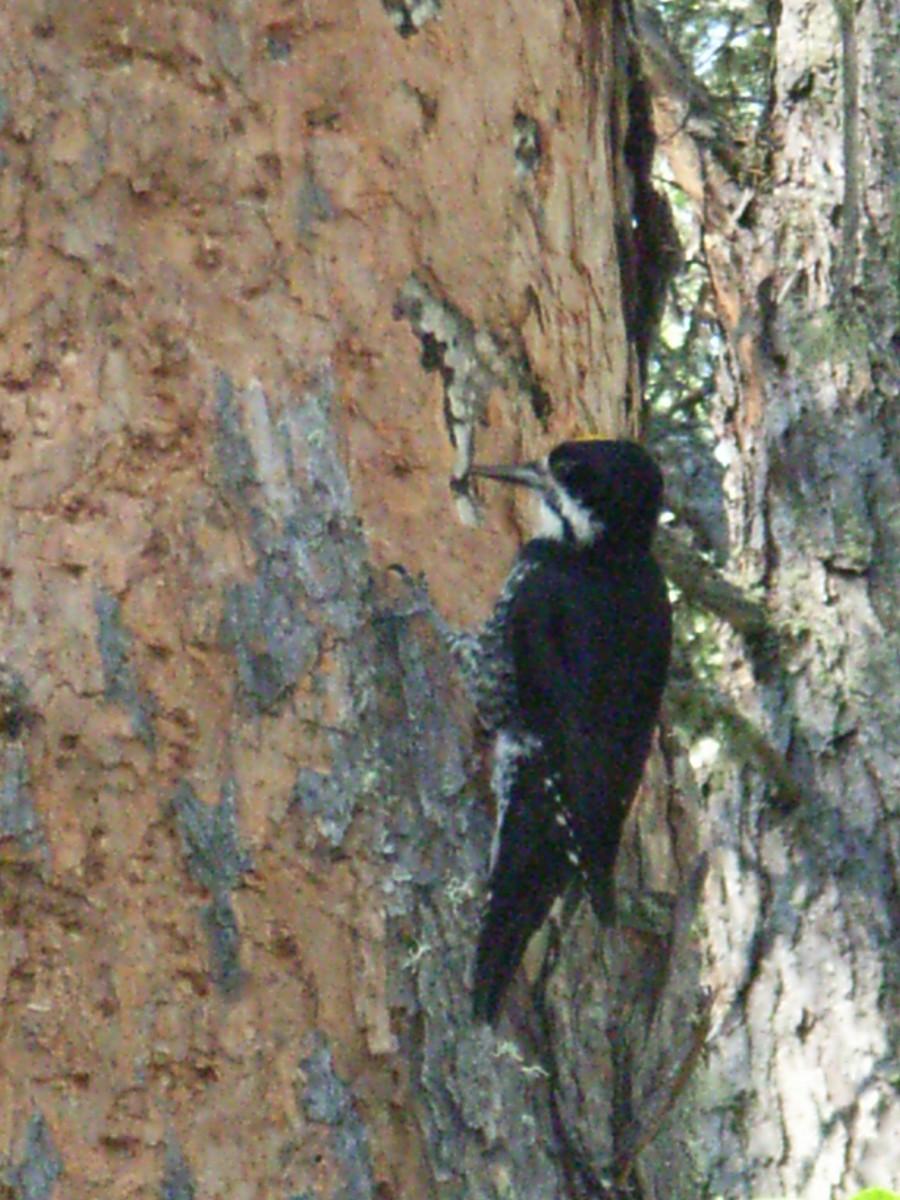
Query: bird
point(568, 674)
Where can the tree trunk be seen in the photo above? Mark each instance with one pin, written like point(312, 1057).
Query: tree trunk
point(268, 271)
point(796, 1094)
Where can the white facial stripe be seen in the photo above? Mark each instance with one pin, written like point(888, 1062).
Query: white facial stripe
point(549, 523)
point(559, 511)
point(579, 518)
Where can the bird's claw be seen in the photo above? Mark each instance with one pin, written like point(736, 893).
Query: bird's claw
point(419, 603)
point(418, 598)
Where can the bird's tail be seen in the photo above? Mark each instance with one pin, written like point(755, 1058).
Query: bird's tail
point(507, 928)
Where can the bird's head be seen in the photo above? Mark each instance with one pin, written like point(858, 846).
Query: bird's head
point(591, 490)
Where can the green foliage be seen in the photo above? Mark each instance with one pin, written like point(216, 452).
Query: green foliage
point(869, 1194)
point(682, 373)
point(728, 44)
point(724, 47)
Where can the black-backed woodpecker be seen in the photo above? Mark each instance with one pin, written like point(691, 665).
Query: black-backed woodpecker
point(568, 675)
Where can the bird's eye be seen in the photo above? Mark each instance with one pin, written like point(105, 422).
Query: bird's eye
point(562, 466)
point(576, 477)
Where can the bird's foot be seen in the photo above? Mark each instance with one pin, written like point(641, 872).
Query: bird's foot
point(417, 599)
point(418, 603)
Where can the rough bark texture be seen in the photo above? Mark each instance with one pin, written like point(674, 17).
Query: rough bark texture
point(797, 1093)
point(241, 849)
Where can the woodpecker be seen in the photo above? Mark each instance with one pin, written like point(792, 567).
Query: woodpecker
point(568, 674)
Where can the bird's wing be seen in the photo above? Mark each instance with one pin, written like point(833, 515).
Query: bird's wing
point(533, 856)
point(572, 672)
point(592, 659)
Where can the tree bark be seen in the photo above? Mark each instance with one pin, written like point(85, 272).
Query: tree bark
point(796, 1093)
point(268, 272)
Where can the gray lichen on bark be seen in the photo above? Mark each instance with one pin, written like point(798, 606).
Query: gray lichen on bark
point(39, 1166)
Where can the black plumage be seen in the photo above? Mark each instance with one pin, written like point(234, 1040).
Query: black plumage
point(569, 674)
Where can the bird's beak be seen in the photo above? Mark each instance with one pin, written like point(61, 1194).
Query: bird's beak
point(530, 475)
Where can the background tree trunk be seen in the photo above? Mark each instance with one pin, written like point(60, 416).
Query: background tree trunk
point(797, 1093)
point(242, 850)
